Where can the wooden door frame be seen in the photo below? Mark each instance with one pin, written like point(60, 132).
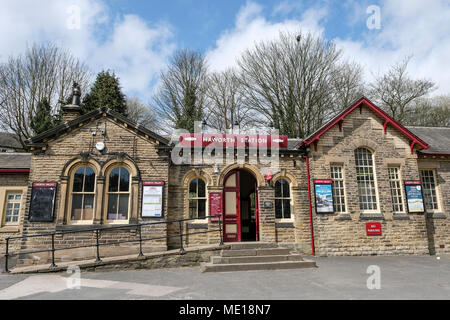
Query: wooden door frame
point(237, 189)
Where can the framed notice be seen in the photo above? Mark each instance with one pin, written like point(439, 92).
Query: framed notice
point(152, 199)
point(323, 190)
point(414, 196)
point(42, 206)
point(215, 205)
point(373, 229)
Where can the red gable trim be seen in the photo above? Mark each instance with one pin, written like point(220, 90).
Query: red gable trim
point(388, 120)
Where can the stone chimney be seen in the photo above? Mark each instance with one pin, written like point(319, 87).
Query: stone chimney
point(72, 111)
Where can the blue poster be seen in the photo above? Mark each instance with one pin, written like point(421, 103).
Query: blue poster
point(414, 197)
point(324, 198)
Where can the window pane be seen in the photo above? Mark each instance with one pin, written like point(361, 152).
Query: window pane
point(89, 180)
point(11, 197)
point(278, 191)
point(287, 209)
point(201, 188)
point(124, 180)
point(201, 209)
point(286, 191)
point(76, 206)
point(193, 189)
point(18, 197)
point(88, 212)
point(112, 206)
point(114, 180)
point(78, 180)
point(193, 209)
point(123, 207)
point(278, 209)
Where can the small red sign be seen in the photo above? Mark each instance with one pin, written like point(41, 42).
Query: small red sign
point(153, 183)
point(44, 184)
point(215, 205)
point(323, 181)
point(413, 182)
point(373, 229)
point(269, 176)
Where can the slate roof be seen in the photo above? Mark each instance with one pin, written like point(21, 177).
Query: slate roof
point(438, 138)
point(9, 140)
point(15, 160)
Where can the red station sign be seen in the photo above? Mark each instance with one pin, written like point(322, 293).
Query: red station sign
point(373, 229)
point(215, 205)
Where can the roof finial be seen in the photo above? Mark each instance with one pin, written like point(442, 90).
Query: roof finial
point(76, 92)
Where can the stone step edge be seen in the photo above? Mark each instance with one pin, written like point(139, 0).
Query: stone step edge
point(265, 265)
point(287, 256)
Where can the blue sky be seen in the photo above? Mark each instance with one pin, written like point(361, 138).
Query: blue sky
point(136, 38)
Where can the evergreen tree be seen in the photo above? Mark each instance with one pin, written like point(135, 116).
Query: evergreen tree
point(105, 92)
point(43, 119)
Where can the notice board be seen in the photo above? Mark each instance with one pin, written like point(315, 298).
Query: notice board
point(152, 199)
point(323, 190)
point(414, 196)
point(215, 205)
point(42, 207)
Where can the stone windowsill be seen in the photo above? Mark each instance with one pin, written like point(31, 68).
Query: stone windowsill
point(400, 216)
point(197, 225)
point(10, 229)
point(371, 216)
point(343, 216)
point(73, 227)
point(436, 215)
point(284, 224)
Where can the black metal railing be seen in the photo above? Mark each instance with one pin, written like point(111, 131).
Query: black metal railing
point(99, 230)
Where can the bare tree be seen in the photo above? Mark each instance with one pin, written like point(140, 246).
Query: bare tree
point(292, 81)
point(429, 112)
point(395, 91)
point(226, 103)
point(181, 98)
point(142, 114)
point(43, 72)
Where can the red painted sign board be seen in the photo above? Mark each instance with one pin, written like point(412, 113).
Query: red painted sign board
point(153, 183)
point(45, 184)
point(215, 205)
point(233, 140)
point(373, 229)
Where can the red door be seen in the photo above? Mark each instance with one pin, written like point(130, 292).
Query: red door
point(232, 208)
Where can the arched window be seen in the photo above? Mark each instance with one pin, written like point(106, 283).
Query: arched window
point(118, 194)
point(197, 199)
point(366, 179)
point(282, 199)
point(83, 194)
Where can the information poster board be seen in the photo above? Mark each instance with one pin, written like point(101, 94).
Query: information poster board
point(42, 207)
point(152, 199)
point(215, 205)
point(324, 196)
point(414, 196)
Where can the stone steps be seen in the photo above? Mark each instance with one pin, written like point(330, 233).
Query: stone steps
point(255, 256)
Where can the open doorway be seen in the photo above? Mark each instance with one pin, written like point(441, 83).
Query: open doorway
point(241, 207)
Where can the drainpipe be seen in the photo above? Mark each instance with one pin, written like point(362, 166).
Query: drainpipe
point(310, 206)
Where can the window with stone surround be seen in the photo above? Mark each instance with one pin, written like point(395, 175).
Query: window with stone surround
point(197, 199)
point(282, 199)
point(82, 194)
point(118, 187)
point(365, 175)
point(337, 175)
point(396, 189)
point(12, 208)
point(428, 177)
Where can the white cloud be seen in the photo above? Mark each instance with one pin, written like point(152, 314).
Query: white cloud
point(251, 27)
point(408, 27)
point(131, 47)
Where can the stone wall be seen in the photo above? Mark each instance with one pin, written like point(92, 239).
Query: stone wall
point(123, 147)
point(345, 233)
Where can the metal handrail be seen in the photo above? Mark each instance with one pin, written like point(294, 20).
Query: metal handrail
point(97, 244)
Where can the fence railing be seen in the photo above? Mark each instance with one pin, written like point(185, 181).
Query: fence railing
point(103, 229)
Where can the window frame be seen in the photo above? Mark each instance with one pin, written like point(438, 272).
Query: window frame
point(399, 187)
point(374, 171)
point(74, 170)
point(344, 190)
point(5, 208)
point(106, 194)
point(189, 199)
point(283, 219)
point(436, 189)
